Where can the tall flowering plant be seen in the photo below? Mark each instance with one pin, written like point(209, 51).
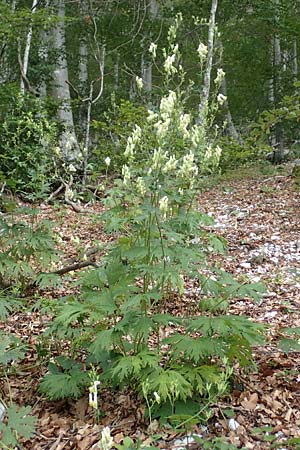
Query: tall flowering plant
point(161, 240)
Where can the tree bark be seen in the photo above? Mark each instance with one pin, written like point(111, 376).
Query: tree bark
point(26, 51)
point(61, 91)
point(146, 65)
point(207, 76)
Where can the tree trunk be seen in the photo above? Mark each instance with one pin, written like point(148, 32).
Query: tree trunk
point(61, 91)
point(207, 76)
point(146, 65)
point(24, 69)
point(232, 131)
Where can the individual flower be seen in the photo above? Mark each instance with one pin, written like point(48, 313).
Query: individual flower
point(208, 153)
point(218, 152)
point(188, 168)
point(167, 104)
point(184, 121)
point(152, 49)
point(170, 164)
point(72, 168)
point(106, 441)
point(158, 159)
point(162, 128)
point(132, 141)
point(107, 161)
point(163, 205)
point(169, 67)
point(126, 175)
point(221, 99)
point(139, 83)
point(197, 136)
point(140, 185)
point(220, 76)
point(151, 115)
point(202, 51)
point(93, 394)
point(157, 397)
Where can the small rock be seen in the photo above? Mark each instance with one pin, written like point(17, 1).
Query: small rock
point(233, 424)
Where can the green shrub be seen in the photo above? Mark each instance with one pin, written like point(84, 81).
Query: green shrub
point(27, 137)
point(25, 247)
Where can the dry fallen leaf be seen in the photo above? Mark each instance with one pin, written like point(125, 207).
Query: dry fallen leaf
point(250, 402)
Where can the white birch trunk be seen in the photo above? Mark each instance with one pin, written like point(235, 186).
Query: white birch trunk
point(61, 91)
point(83, 64)
point(146, 66)
point(116, 72)
point(27, 50)
point(210, 50)
point(295, 60)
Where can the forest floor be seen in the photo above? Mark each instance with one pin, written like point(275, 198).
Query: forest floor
point(260, 219)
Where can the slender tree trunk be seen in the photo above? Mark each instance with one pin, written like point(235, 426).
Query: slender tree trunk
point(232, 131)
point(295, 60)
point(277, 78)
point(116, 71)
point(27, 50)
point(43, 56)
point(4, 72)
point(146, 65)
point(61, 91)
point(207, 76)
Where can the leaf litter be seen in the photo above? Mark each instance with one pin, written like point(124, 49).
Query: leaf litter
point(260, 219)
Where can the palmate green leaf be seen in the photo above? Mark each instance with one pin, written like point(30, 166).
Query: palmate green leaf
point(46, 280)
point(128, 366)
point(7, 306)
point(99, 304)
point(170, 384)
point(239, 349)
point(95, 278)
point(11, 349)
point(252, 290)
point(19, 424)
point(105, 340)
point(136, 253)
point(134, 302)
point(228, 326)
point(195, 349)
point(218, 243)
point(135, 324)
point(289, 345)
point(66, 381)
point(70, 313)
point(166, 319)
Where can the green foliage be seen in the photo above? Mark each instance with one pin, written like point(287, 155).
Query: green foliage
point(114, 129)
point(290, 342)
point(25, 245)
point(235, 154)
point(129, 444)
point(26, 149)
point(11, 349)
point(215, 444)
point(287, 116)
point(18, 424)
point(8, 304)
point(65, 379)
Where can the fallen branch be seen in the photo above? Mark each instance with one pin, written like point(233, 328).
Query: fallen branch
point(75, 266)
